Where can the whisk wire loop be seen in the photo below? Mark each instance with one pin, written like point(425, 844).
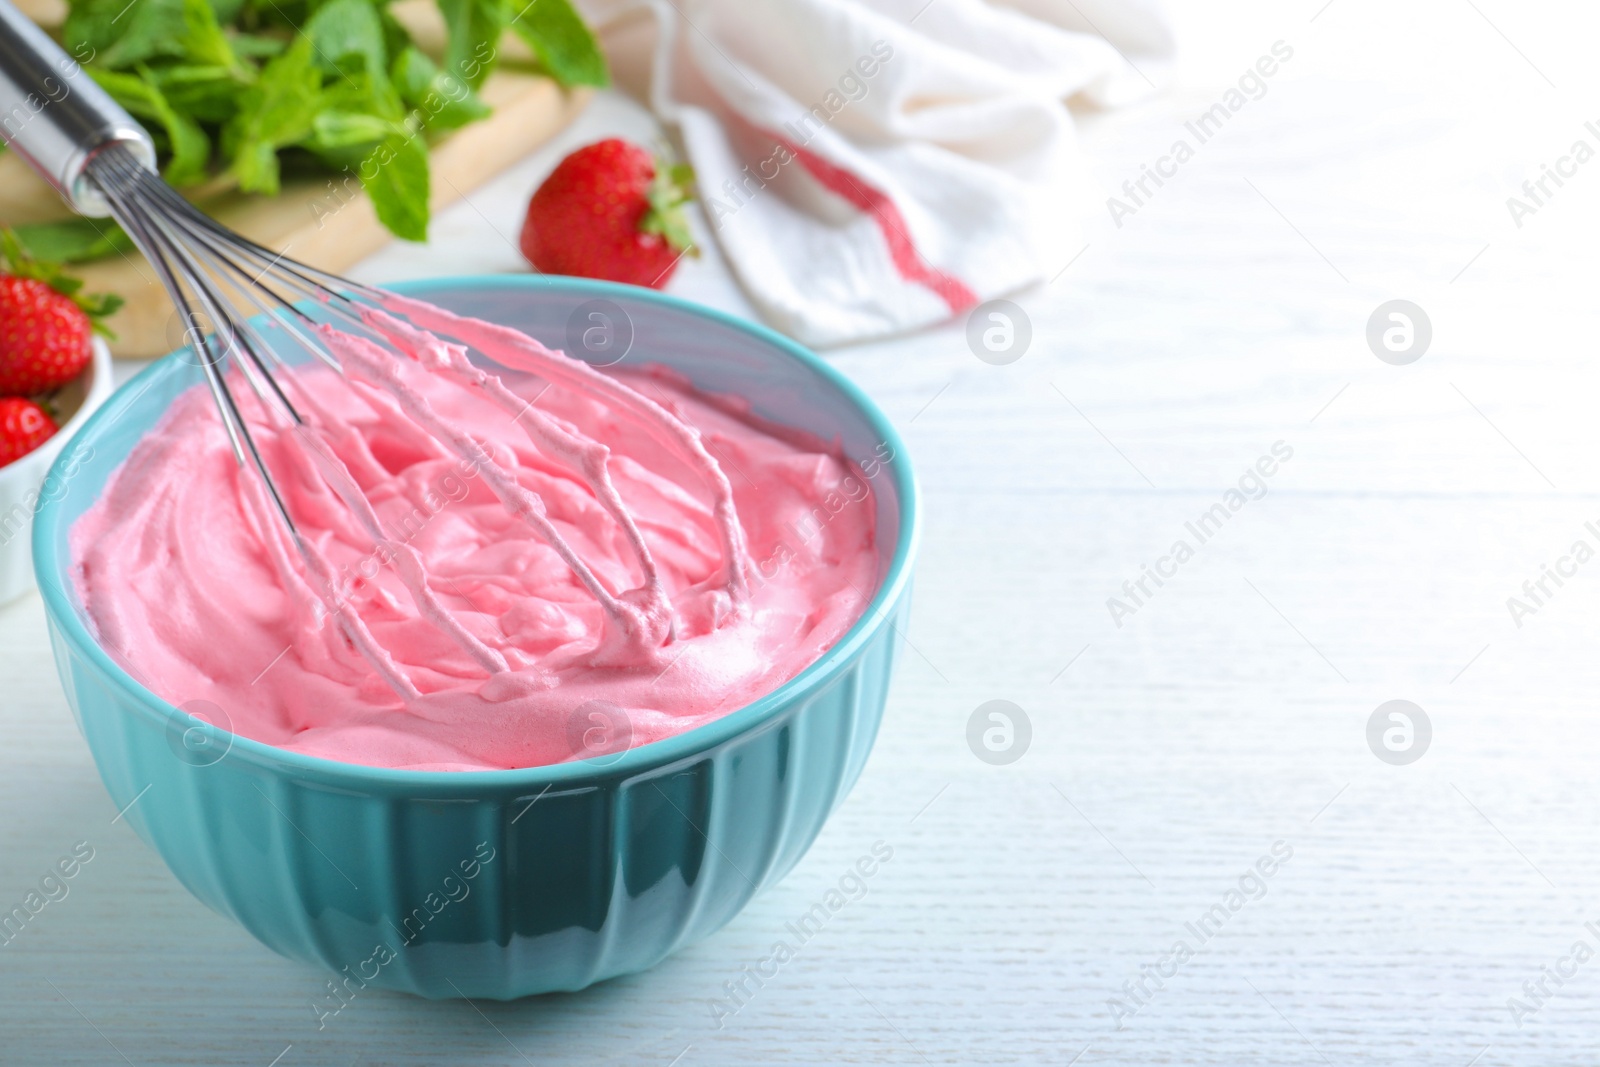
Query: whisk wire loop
point(227, 288)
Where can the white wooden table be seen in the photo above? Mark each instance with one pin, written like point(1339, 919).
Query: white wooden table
point(1229, 712)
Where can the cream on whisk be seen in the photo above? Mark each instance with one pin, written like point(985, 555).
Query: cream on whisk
point(484, 562)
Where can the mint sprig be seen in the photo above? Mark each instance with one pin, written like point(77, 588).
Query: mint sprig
point(244, 91)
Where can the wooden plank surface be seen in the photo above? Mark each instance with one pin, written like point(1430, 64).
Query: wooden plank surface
point(1228, 713)
point(323, 221)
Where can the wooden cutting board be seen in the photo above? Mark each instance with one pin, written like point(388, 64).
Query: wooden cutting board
point(318, 221)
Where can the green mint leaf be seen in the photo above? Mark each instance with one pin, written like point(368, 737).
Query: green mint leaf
point(334, 131)
point(474, 29)
point(345, 28)
point(205, 94)
point(255, 164)
point(412, 74)
point(97, 29)
point(255, 46)
point(395, 176)
point(187, 143)
point(359, 90)
point(191, 150)
point(227, 11)
point(563, 44)
point(117, 39)
point(119, 36)
point(396, 37)
point(276, 112)
point(203, 40)
point(340, 79)
point(87, 29)
point(438, 100)
point(129, 90)
point(74, 240)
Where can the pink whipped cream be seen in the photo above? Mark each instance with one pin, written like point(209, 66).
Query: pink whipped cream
point(556, 563)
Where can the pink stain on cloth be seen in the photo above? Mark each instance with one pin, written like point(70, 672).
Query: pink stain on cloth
point(873, 167)
point(189, 581)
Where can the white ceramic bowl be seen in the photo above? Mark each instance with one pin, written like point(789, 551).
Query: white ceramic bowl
point(22, 484)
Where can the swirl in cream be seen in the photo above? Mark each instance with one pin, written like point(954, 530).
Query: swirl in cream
point(539, 544)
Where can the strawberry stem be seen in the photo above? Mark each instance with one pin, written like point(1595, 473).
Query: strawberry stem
point(670, 189)
point(16, 261)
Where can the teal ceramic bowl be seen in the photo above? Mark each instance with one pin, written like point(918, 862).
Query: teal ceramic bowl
point(503, 883)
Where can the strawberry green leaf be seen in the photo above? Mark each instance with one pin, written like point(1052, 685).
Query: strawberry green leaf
point(669, 190)
point(16, 261)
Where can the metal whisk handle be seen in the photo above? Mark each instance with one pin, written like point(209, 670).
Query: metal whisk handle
point(54, 116)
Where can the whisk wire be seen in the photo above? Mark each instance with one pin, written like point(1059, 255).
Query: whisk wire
point(227, 288)
point(158, 246)
point(127, 188)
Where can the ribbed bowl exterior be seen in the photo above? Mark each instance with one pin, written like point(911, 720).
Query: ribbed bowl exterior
point(575, 882)
point(501, 884)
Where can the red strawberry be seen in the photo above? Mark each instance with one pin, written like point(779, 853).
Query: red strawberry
point(24, 426)
point(610, 211)
point(45, 321)
point(44, 337)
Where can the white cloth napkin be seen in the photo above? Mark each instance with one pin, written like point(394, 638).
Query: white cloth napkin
point(870, 167)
